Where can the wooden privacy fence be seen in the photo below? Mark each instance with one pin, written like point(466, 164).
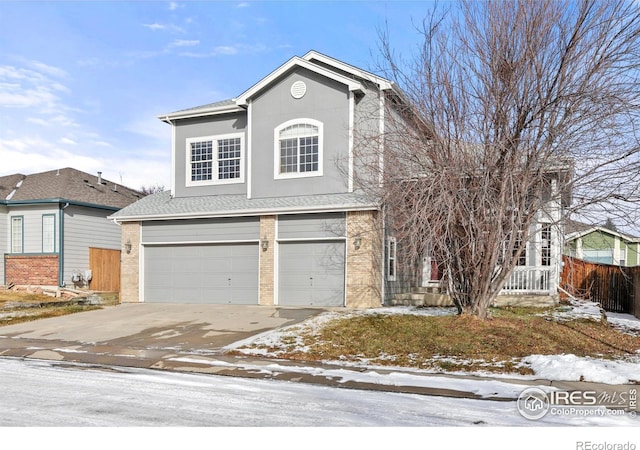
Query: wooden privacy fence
point(613, 287)
point(105, 269)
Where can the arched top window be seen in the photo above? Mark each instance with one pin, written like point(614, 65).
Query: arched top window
point(298, 149)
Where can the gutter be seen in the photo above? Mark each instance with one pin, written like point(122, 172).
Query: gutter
point(57, 200)
point(244, 213)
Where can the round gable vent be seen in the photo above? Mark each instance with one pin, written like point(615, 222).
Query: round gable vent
point(298, 89)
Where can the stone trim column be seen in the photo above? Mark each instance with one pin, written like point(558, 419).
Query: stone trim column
point(267, 260)
point(364, 261)
point(130, 263)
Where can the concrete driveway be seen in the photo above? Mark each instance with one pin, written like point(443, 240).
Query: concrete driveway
point(143, 334)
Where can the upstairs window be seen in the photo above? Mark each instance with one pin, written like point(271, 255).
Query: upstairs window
point(215, 160)
point(298, 149)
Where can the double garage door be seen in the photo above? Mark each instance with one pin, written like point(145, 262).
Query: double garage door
point(222, 273)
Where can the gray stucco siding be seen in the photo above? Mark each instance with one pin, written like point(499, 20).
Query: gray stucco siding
point(84, 228)
point(367, 144)
point(201, 127)
point(201, 230)
point(312, 226)
point(325, 101)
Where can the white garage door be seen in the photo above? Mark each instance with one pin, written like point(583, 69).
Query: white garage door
point(311, 273)
point(222, 274)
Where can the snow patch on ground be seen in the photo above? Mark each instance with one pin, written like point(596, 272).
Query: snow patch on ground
point(574, 368)
point(555, 367)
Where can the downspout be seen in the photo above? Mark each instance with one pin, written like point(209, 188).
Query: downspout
point(61, 244)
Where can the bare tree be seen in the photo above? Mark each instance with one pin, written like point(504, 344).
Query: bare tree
point(514, 107)
point(151, 189)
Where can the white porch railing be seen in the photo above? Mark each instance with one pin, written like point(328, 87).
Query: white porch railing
point(529, 280)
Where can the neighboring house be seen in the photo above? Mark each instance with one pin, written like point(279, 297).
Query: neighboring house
point(50, 221)
point(601, 245)
point(264, 207)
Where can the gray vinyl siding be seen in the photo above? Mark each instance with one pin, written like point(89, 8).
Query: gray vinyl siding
point(84, 228)
point(31, 227)
point(311, 226)
point(200, 127)
point(325, 101)
point(201, 230)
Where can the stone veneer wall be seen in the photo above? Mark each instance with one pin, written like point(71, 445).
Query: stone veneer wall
point(267, 260)
point(364, 273)
point(130, 263)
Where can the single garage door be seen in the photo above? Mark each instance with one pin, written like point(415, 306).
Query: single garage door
point(311, 273)
point(223, 274)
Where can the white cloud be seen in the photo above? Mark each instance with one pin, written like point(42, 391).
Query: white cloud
point(26, 88)
point(33, 155)
point(175, 5)
point(67, 141)
point(47, 69)
point(183, 43)
point(164, 27)
point(225, 50)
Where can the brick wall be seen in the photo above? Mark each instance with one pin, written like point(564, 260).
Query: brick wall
point(364, 263)
point(267, 262)
point(32, 270)
point(130, 263)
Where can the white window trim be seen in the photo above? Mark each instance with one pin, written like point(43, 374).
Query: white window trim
point(53, 233)
point(276, 149)
point(13, 230)
point(214, 170)
point(392, 261)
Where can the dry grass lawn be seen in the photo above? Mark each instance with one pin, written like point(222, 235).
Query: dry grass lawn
point(460, 342)
point(17, 307)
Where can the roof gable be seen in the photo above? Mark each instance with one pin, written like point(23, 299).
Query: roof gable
point(601, 230)
point(353, 71)
point(66, 184)
point(243, 99)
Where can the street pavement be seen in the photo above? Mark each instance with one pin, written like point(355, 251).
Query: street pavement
point(191, 338)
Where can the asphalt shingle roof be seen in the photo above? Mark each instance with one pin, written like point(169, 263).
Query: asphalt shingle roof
point(67, 184)
point(162, 205)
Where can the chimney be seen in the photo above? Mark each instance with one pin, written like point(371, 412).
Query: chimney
point(99, 177)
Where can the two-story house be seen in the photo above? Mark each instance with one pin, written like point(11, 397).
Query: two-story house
point(264, 207)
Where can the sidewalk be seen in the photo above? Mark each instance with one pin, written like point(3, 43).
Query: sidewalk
point(192, 338)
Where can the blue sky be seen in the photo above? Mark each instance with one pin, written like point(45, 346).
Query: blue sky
point(81, 82)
